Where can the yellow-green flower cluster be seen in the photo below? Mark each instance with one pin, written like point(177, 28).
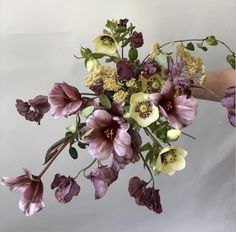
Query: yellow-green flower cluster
point(120, 96)
point(195, 65)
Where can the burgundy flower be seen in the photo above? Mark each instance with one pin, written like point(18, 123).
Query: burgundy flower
point(109, 134)
point(34, 109)
point(66, 188)
point(32, 189)
point(119, 162)
point(125, 69)
point(123, 22)
point(136, 39)
point(64, 99)
point(228, 101)
point(148, 197)
point(150, 67)
point(102, 178)
point(179, 111)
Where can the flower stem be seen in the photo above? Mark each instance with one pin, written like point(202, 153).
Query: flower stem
point(53, 158)
point(150, 171)
point(151, 135)
point(84, 169)
point(90, 94)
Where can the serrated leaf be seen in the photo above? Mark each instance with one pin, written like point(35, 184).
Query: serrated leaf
point(111, 24)
point(133, 54)
point(73, 153)
point(120, 29)
point(190, 46)
point(146, 147)
point(87, 111)
point(105, 101)
point(231, 60)
point(211, 40)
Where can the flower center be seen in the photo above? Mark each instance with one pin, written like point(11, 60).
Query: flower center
point(144, 108)
point(154, 85)
point(168, 106)
point(108, 41)
point(109, 133)
point(169, 157)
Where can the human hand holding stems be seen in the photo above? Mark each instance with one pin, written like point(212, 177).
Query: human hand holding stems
point(155, 95)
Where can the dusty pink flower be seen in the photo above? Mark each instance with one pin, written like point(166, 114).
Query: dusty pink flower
point(66, 188)
point(32, 189)
point(102, 178)
point(64, 99)
point(179, 111)
point(109, 134)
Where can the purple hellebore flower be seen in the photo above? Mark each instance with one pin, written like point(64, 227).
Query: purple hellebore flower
point(102, 178)
point(150, 67)
point(125, 69)
point(148, 197)
point(119, 162)
point(34, 109)
point(123, 22)
point(109, 134)
point(64, 99)
point(180, 81)
point(66, 188)
point(228, 101)
point(32, 189)
point(136, 39)
point(179, 111)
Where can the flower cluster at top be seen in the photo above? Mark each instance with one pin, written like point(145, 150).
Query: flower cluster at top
point(127, 96)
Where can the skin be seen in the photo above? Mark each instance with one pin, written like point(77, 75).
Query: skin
point(217, 82)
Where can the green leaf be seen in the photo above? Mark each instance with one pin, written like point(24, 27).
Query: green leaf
point(125, 42)
point(87, 133)
point(133, 54)
point(146, 147)
point(120, 29)
point(105, 101)
point(211, 40)
point(161, 59)
point(111, 24)
point(73, 153)
point(72, 127)
point(200, 45)
point(98, 55)
point(190, 46)
point(82, 145)
point(231, 60)
point(87, 111)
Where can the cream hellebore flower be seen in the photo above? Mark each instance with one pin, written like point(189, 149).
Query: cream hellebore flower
point(173, 134)
point(142, 110)
point(170, 160)
point(92, 65)
point(106, 44)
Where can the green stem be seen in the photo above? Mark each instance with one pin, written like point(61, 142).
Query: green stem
point(84, 169)
point(149, 133)
point(89, 94)
point(150, 171)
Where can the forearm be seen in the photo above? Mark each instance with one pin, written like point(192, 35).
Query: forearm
point(217, 82)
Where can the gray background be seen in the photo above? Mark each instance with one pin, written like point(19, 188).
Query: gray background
point(38, 40)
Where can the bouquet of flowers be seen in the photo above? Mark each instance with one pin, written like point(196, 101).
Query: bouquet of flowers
point(127, 96)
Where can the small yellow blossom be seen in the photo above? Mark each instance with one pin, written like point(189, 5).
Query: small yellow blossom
point(106, 44)
point(170, 160)
point(120, 96)
point(131, 83)
point(142, 110)
point(111, 84)
point(195, 66)
point(155, 50)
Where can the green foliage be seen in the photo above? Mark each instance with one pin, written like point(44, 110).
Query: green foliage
point(133, 54)
point(190, 46)
point(111, 24)
point(211, 40)
point(82, 145)
point(105, 101)
point(146, 147)
point(73, 153)
point(87, 111)
point(231, 60)
point(200, 45)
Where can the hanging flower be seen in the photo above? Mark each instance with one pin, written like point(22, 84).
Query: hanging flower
point(142, 110)
point(32, 189)
point(170, 160)
point(66, 188)
point(92, 64)
point(228, 101)
point(64, 100)
point(179, 111)
point(102, 178)
point(109, 134)
point(106, 44)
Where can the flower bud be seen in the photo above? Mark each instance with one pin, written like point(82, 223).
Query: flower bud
point(173, 134)
point(92, 64)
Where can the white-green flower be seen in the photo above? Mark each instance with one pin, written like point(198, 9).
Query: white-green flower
point(173, 134)
point(170, 160)
point(92, 64)
point(106, 44)
point(142, 110)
